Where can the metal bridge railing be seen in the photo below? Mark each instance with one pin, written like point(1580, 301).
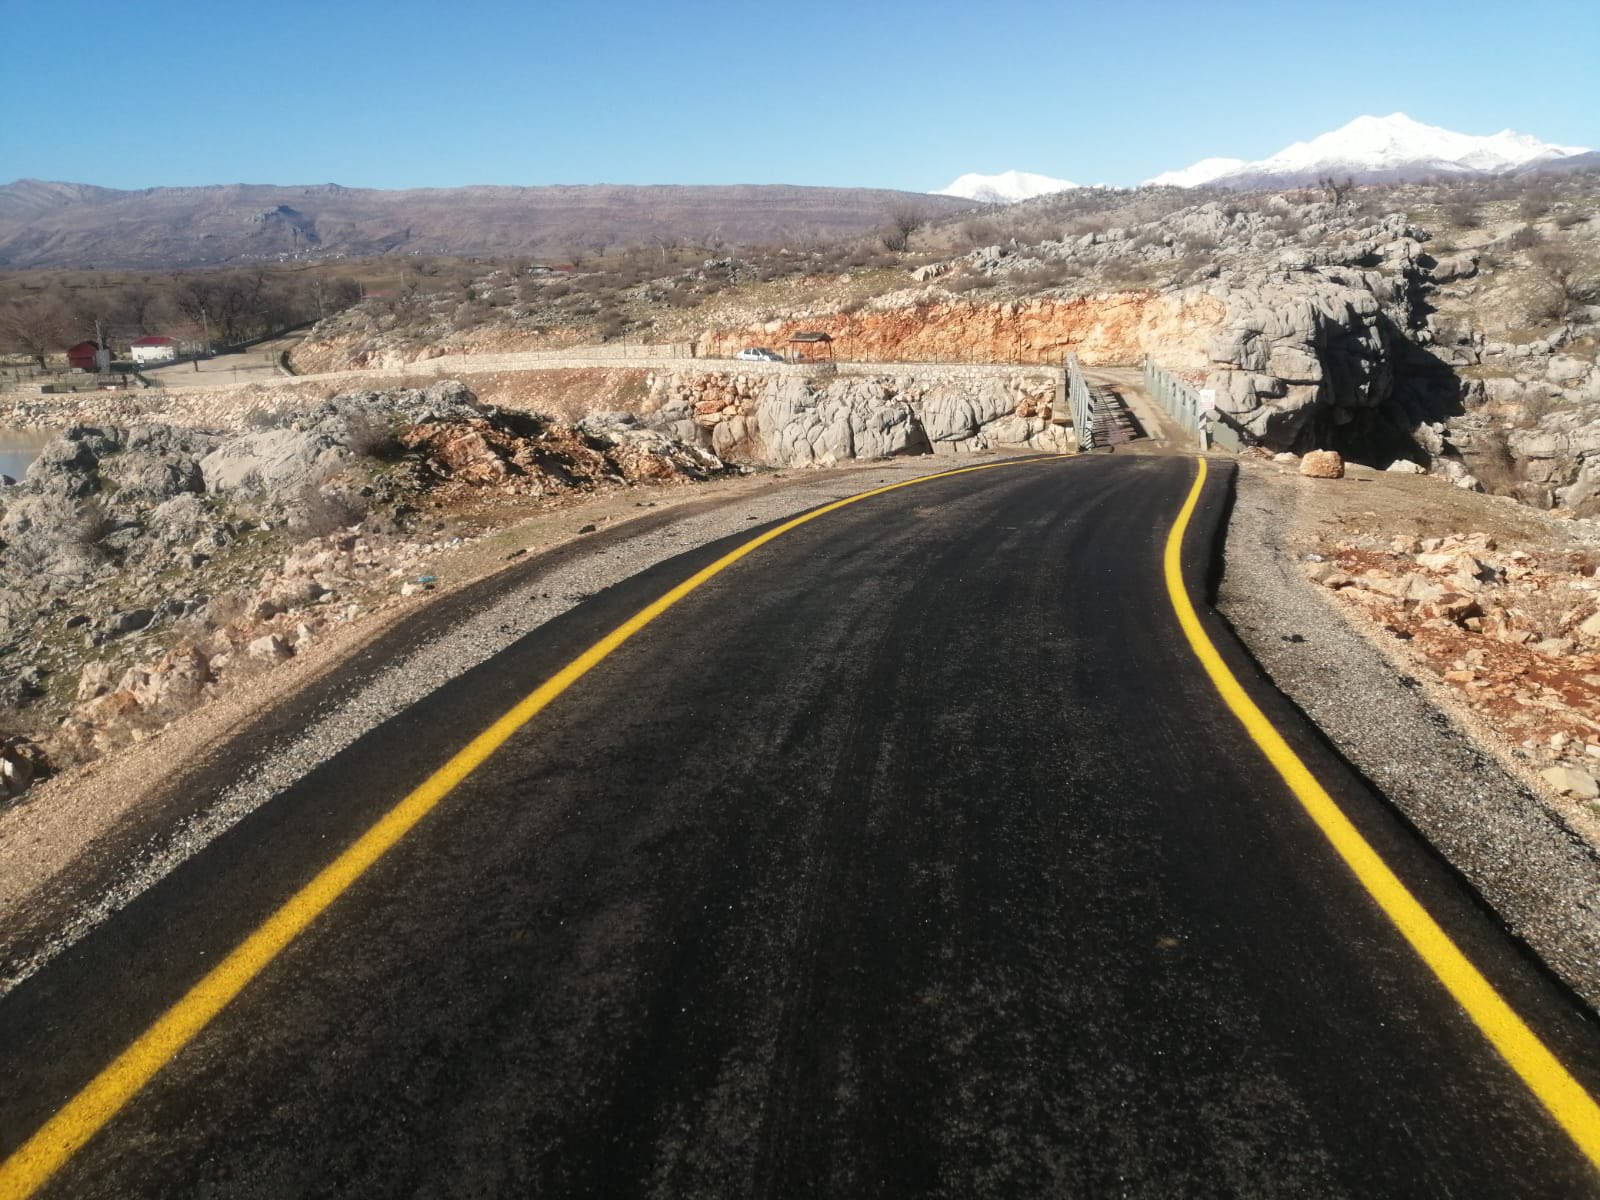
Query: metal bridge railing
point(1080, 402)
point(1183, 403)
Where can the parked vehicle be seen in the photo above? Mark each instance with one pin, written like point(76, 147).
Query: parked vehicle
point(758, 354)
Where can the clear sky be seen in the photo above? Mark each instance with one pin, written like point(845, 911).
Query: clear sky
point(887, 93)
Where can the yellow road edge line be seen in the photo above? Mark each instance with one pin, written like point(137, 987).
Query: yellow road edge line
point(1539, 1069)
point(48, 1149)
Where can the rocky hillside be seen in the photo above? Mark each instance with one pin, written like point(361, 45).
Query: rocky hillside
point(74, 225)
point(1450, 326)
point(142, 567)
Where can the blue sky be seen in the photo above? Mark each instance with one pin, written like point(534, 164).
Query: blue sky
point(889, 94)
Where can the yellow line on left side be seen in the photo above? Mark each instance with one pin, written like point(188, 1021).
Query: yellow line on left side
point(1538, 1069)
point(27, 1169)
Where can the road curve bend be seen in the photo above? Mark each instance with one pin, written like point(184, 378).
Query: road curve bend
point(914, 847)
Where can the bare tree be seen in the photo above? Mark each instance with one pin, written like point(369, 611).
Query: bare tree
point(903, 222)
point(1335, 190)
point(39, 325)
point(137, 307)
point(1565, 284)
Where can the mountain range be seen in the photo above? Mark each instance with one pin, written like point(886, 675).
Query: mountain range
point(77, 225)
point(1368, 150)
point(1008, 187)
point(45, 224)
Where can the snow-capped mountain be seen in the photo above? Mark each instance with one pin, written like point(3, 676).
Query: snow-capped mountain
point(1008, 187)
point(1377, 149)
point(1203, 171)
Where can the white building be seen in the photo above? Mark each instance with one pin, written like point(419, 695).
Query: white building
point(154, 349)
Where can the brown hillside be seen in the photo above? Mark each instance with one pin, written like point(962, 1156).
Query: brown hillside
point(64, 224)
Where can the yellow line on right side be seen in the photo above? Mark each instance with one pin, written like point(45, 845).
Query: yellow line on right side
point(1565, 1099)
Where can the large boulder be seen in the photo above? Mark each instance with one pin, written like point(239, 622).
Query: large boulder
point(1322, 464)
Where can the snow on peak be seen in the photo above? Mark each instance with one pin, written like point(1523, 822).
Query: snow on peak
point(1391, 143)
point(1203, 171)
point(1008, 187)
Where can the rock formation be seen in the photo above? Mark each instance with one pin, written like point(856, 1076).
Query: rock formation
point(793, 419)
point(138, 564)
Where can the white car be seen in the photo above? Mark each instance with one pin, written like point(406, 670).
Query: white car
point(758, 354)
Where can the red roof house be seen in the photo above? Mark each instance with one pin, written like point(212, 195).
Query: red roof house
point(81, 356)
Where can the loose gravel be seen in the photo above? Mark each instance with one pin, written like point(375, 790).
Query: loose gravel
point(1527, 864)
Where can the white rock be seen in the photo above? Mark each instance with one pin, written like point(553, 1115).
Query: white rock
point(270, 648)
point(1571, 781)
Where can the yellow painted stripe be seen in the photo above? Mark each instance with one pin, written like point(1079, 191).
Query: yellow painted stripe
point(59, 1138)
point(1538, 1068)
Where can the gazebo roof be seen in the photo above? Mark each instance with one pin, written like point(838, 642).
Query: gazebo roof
point(810, 337)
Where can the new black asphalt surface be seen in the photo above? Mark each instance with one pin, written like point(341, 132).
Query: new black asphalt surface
point(912, 855)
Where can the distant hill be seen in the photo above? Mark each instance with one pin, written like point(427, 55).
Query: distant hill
point(46, 224)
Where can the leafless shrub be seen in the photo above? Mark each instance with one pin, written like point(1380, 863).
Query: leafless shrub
point(1535, 202)
point(1565, 283)
point(980, 231)
point(1463, 213)
point(318, 511)
point(369, 437)
point(1524, 238)
point(1493, 462)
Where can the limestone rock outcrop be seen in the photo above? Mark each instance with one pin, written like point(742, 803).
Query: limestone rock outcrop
point(791, 419)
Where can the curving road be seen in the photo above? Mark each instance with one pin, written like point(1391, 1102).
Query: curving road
point(913, 854)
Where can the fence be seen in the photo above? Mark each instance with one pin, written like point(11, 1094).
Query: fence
point(1080, 402)
point(1195, 413)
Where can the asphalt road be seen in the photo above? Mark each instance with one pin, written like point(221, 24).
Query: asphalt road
point(911, 855)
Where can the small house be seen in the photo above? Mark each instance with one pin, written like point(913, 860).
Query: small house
point(153, 349)
point(85, 356)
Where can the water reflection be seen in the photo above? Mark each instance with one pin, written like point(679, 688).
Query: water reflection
point(19, 447)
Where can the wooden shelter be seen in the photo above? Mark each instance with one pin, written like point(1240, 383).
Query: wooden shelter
point(810, 347)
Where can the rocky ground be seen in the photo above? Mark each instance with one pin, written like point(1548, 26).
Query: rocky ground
point(1487, 781)
point(1496, 605)
point(1504, 615)
point(1453, 326)
point(147, 568)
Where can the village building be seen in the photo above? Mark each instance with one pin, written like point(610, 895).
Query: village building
point(155, 348)
point(87, 356)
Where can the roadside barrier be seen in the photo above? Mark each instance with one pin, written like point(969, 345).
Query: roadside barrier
point(1195, 412)
point(1080, 402)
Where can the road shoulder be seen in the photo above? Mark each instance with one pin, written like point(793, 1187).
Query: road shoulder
point(1527, 863)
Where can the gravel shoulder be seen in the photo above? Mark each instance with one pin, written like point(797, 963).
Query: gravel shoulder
point(82, 846)
point(1531, 858)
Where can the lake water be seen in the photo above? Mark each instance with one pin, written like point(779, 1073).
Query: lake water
point(18, 448)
